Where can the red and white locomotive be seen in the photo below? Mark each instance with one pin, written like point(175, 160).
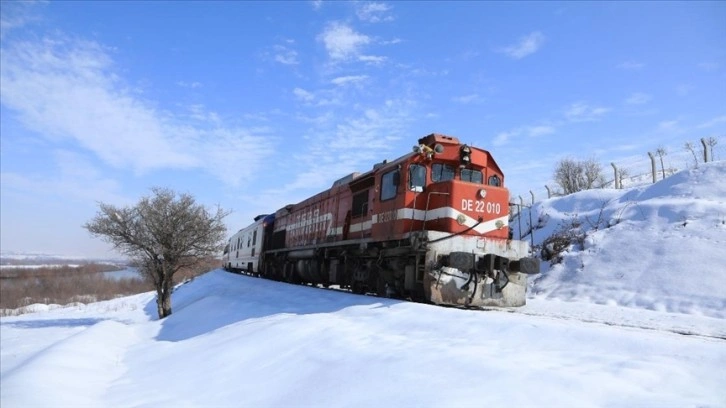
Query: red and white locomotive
point(431, 225)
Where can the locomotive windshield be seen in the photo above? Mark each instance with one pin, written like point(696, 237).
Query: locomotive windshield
point(442, 172)
point(416, 177)
point(473, 176)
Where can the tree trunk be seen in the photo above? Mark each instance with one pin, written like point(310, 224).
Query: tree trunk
point(168, 284)
point(159, 302)
point(163, 297)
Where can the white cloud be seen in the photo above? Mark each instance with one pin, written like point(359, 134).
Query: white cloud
point(709, 66)
point(631, 65)
point(638, 98)
point(504, 138)
point(582, 112)
point(374, 12)
point(390, 42)
point(668, 126)
point(16, 14)
point(542, 130)
point(285, 55)
point(527, 45)
point(317, 4)
point(465, 99)
point(349, 79)
point(342, 42)
point(372, 59)
point(74, 176)
point(199, 112)
point(193, 85)
point(712, 122)
point(67, 90)
point(341, 143)
point(684, 89)
point(303, 95)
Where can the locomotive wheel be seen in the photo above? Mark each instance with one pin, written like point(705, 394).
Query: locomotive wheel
point(357, 288)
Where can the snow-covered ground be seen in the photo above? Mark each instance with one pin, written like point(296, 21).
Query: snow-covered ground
point(636, 318)
point(657, 247)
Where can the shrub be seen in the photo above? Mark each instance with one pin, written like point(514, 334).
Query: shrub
point(573, 175)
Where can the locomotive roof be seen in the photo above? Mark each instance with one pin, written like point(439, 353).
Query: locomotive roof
point(355, 178)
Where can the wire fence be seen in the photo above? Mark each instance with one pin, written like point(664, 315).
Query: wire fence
point(638, 169)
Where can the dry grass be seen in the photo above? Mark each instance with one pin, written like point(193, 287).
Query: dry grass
point(205, 265)
point(20, 287)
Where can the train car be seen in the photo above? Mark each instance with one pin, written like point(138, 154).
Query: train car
point(244, 250)
point(431, 226)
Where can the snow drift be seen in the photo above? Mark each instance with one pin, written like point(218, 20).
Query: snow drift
point(657, 247)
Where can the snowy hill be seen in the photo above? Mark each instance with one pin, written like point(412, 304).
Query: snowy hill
point(634, 317)
point(657, 247)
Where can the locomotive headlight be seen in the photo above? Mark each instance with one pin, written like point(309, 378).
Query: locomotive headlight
point(464, 156)
point(482, 193)
point(461, 219)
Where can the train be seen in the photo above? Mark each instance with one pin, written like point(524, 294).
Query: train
point(430, 226)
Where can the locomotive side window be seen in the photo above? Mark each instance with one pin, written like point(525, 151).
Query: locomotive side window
point(388, 185)
point(473, 176)
point(441, 172)
point(360, 204)
point(495, 181)
point(416, 177)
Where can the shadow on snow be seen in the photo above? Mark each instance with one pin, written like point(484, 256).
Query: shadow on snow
point(38, 324)
point(218, 299)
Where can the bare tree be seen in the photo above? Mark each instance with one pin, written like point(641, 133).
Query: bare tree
point(163, 233)
point(660, 152)
point(711, 142)
point(623, 174)
point(573, 175)
point(691, 148)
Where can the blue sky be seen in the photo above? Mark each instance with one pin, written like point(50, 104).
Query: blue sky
point(255, 105)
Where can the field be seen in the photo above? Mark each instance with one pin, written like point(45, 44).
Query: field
point(27, 283)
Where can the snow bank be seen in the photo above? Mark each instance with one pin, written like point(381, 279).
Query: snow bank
point(659, 247)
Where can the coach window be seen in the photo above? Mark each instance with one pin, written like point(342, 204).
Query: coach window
point(254, 238)
point(388, 185)
point(416, 177)
point(441, 172)
point(473, 176)
point(495, 181)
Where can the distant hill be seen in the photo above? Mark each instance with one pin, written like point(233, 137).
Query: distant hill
point(29, 258)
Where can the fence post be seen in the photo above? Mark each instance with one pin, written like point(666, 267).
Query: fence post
point(521, 201)
point(705, 150)
point(652, 165)
point(549, 192)
point(530, 192)
point(617, 179)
